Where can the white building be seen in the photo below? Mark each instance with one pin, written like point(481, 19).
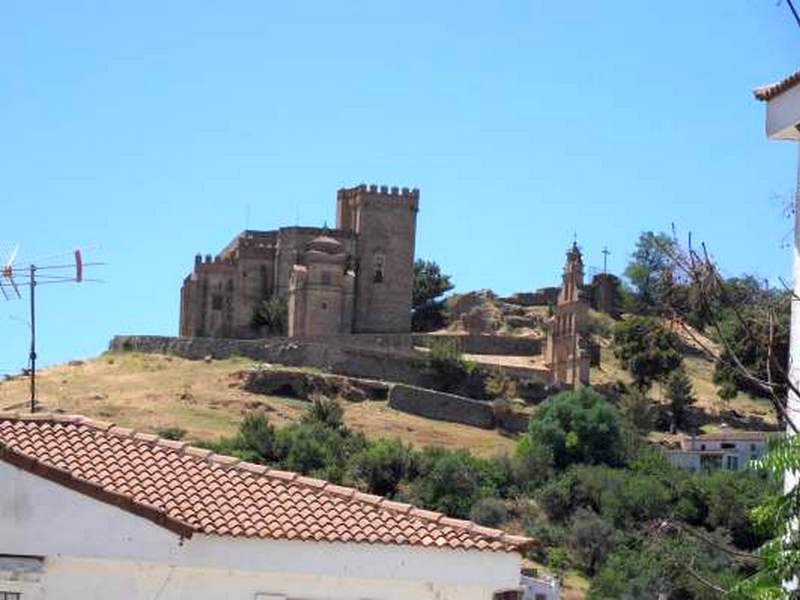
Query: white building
point(93, 511)
point(783, 123)
point(540, 587)
point(725, 449)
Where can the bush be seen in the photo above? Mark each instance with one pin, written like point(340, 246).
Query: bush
point(490, 512)
point(579, 427)
point(498, 385)
point(171, 433)
point(450, 482)
point(447, 369)
point(258, 435)
point(532, 464)
point(590, 539)
point(382, 466)
point(325, 411)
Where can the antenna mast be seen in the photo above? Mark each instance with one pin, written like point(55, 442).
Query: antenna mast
point(11, 276)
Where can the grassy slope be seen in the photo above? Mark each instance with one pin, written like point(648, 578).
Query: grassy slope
point(149, 392)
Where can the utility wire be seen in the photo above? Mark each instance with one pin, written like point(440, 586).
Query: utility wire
point(794, 12)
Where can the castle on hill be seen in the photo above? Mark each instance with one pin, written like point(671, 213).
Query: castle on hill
point(356, 278)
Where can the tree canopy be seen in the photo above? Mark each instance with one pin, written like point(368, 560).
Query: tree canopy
point(647, 349)
point(579, 427)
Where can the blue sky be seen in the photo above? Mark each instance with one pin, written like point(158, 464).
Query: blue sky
point(160, 129)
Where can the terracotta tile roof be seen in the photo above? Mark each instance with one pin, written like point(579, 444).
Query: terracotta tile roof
point(768, 92)
point(188, 490)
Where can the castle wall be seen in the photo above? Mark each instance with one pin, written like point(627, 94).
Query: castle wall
point(385, 221)
point(376, 230)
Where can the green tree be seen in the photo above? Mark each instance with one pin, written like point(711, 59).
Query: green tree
point(680, 396)
point(650, 268)
point(430, 284)
point(579, 427)
point(272, 315)
point(647, 349)
point(637, 408)
point(779, 515)
point(590, 539)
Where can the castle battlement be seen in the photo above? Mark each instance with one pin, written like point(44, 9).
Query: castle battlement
point(383, 190)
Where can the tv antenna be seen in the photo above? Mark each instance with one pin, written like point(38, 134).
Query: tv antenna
point(65, 267)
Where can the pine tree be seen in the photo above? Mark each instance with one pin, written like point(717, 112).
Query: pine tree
point(680, 395)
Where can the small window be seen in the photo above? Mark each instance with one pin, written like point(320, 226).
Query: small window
point(752, 447)
point(379, 264)
point(508, 595)
point(324, 305)
point(540, 597)
point(326, 278)
point(702, 446)
point(733, 463)
point(728, 445)
point(216, 304)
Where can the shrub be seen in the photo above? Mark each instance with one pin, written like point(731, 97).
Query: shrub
point(590, 539)
point(382, 466)
point(326, 411)
point(447, 368)
point(498, 385)
point(490, 512)
point(258, 435)
point(579, 427)
point(171, 433)
point(450, 482)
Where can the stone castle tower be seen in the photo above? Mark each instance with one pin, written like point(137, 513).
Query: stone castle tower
point(567, 360)
point(356, 278)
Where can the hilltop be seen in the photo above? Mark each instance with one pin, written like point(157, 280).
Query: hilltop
point(154, 392)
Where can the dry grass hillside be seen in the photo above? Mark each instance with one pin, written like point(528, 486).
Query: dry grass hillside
point(152, 392)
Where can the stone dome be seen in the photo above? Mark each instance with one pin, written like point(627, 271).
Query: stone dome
point(325, 244)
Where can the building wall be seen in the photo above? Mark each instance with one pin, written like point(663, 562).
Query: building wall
point(376, 227)
point(385, 222)
point(93, 550)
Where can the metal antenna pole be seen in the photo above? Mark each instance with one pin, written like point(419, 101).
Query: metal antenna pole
point(33, 337)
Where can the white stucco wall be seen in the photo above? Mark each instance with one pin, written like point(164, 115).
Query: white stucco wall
point(94, 550)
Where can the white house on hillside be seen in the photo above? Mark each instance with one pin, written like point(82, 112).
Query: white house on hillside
point(725, 449)
point(93, 511)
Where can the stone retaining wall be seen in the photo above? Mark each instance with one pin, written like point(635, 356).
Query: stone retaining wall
point(499, 345)
point(441, 406)
point(329, 353)
point(303, 385)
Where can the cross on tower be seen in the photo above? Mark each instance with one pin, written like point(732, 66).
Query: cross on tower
point(606, 252)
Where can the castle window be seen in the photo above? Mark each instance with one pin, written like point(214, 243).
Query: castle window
point(326, 278)
point(379, 262)
point(324, 305)
point(216, 302)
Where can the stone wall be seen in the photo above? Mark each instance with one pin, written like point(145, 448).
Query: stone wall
point(379, 358)
point(488, 344)
point(301, 384)
point(441, 406)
